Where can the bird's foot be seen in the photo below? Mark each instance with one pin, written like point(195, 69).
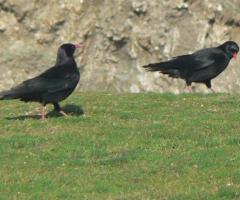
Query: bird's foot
point(63, 113)
point(213, 91)
point(189, 89)
point(43, 117)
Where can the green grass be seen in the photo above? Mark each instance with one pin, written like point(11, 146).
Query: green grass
point(127, 146)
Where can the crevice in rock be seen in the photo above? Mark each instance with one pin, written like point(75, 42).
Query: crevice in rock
point(57, 26)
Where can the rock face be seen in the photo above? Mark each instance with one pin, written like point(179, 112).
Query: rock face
point(118, 37)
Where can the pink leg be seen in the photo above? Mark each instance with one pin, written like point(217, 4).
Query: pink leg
point(63, 113)
point(213, 91)
point(189, 87)
point(43, 115)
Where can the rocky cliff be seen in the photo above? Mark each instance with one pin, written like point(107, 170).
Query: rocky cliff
point(118, 37)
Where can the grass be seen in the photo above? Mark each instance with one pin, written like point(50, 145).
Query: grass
point(128, 146)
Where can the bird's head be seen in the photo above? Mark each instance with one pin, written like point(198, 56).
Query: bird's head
point(66, 51)
point(69, 48)
point(231, 49)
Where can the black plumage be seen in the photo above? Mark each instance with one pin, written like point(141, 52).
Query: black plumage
point(201, 66)
point(53, 85)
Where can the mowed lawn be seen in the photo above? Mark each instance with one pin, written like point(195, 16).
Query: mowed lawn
point(123, 146)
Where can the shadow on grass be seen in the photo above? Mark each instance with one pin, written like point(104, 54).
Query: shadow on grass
point(70, 109)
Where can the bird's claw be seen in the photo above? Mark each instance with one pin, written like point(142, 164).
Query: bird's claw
point(213, 91)
point(189, 89)
point(63, 113)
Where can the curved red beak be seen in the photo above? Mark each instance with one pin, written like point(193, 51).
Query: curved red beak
point(235, 56)
point(77, 46)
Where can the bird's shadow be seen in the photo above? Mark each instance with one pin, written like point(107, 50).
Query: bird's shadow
point(70, 109)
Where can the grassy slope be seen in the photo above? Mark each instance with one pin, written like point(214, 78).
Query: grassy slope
point(129, 146)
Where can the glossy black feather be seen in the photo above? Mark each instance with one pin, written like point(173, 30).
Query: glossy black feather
point(53, 85)
point(201, 66)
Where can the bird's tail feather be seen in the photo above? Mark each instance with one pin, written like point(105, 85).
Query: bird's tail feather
point(7, 95)
point(155, 67)
point(164, 68)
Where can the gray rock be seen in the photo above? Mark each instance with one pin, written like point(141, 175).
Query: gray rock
point(118, 37)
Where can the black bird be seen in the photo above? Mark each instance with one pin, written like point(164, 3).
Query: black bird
point(201, 66)
point(53, 85)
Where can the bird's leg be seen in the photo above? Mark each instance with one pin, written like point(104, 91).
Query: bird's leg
point(189, 87)
point(63, 113)
point(209, 86)
point(59, 109)
point(43, 115)
point(213, 91)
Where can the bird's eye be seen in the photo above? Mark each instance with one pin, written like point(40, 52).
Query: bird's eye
point(233, 49)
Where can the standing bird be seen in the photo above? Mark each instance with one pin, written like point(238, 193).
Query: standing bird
point(53, 85)
point(201, 66)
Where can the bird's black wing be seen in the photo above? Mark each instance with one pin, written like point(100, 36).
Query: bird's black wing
point(39, 86)
point(49, 85)
point(57, 78)
point(201, 59)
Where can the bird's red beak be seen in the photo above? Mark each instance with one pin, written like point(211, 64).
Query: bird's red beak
point(77, 46)
point(235, 56)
